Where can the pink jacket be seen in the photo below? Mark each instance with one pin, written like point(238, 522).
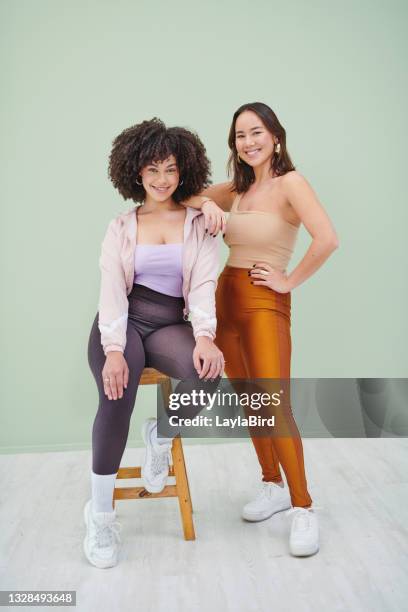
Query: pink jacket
point(200, 273)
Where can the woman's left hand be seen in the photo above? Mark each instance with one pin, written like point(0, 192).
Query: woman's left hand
point(264, 274)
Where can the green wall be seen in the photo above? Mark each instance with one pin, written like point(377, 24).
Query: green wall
point(74, 74)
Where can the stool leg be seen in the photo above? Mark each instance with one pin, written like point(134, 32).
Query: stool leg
point(188, 484)
point(166, 390)
point(113, 496)
point(183, 491)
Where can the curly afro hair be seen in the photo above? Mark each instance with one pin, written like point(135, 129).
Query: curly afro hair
point(151, 141)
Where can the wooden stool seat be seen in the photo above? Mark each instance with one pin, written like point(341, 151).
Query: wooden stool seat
point(181, 489)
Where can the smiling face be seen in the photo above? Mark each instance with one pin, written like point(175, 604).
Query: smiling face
point(161, 179)
point(254, 143)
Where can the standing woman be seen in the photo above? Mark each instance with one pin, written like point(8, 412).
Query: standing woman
point(267, 200)
point(157, 265)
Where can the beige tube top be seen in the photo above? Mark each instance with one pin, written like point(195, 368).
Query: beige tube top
point(258, 236)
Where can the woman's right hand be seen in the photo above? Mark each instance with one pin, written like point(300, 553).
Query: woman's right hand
point(115, 375)
point(212, 359)
point(214, 217)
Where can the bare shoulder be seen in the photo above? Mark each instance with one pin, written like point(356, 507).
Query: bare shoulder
point(294, 180)
point(297, 189)
point(223, 194)
point(305, 203)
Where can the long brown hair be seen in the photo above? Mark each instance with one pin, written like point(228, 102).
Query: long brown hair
point(242, 174)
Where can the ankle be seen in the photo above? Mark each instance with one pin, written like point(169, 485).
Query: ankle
point(102, 488)
point(280, 483)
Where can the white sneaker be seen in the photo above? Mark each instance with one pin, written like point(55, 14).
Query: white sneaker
point(271, 499)
point(304, 533)
point(102, 540)
point(155, 467)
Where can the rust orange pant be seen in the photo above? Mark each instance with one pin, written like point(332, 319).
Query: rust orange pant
point(253, 332)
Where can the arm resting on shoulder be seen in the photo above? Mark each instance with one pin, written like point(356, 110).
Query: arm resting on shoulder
point(222, 194)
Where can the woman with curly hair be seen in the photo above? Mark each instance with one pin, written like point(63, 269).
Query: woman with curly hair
point(158, 265)
point(267, 200)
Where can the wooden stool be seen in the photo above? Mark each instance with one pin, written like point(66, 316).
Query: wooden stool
point(181, 489)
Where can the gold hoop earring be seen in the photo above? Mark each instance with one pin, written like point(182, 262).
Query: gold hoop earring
point(239, 160)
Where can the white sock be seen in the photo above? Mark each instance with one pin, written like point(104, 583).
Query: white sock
point(102, 492)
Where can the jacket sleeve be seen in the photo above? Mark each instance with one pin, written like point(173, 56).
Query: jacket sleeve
point(203, 282)
point(113, 303)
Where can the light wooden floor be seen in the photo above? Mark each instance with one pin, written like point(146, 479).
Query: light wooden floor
point(233, 565)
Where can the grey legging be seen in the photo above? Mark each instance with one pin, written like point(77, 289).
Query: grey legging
point(157, 337)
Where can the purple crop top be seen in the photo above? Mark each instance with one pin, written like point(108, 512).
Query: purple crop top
point(159, 266)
